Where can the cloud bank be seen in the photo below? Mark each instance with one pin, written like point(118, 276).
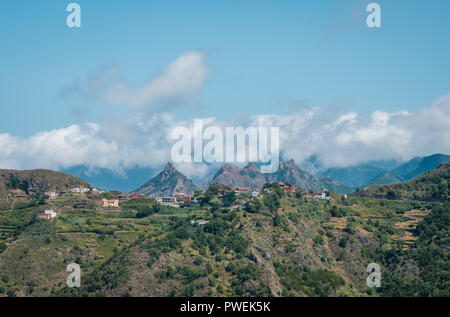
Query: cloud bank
point(143, 138)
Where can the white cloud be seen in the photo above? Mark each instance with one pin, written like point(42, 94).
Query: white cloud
point(177, 86)
point(353, 138)
point(345, 140)
point(142, 138)
point(173, 86)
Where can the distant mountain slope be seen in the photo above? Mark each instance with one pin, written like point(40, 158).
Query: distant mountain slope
point(427, 164)
point(108, 180)
point(387, 178)
point(353, 176)
point(407, 167)
point(168, 182)
point(287, 172)
point(335, 186)
point(431, 186)
point(410, 169)
point(37, 181)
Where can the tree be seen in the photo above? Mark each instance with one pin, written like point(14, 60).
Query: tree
point(252, 206)
point(206, 199)
point(277, 220)
point(40, 198)
point(157, 208)
point(16, 183)
point(229, 198)
point(144, 212)
point(391, 194)
point(272, 202)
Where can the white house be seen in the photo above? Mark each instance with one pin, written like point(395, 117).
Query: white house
point(110, 203)
point(322, 196)
point(51, 195)
point(79, 190)
point(51, 213)
point(48, 214)
point(199, 222)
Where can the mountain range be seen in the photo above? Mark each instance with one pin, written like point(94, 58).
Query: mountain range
point(171, 181)
point(410, 169)
point(383, 171)
point(429, 186)
point(340, 179)
point(288, 172)
point(124, 181)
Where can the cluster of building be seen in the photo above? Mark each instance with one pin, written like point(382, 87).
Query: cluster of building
point(177, 199)
point(110, 203)
point(121, 197)
point(241, 190)
point(237, 191)
point(287, 188)
point(77, 190)
point(126, 197)
point(80, 190)
point(322, 196)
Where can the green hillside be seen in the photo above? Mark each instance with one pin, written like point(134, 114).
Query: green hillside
point(387, 178)
point(35, 181)
point(384, 172)
point(431, 186)
point(428, 163)
point(279, 244)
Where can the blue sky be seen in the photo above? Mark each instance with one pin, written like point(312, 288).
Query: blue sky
point(264, 55)
point(288, 59)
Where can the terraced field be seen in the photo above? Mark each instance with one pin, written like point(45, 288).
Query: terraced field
point(408, 224)
point(6, 231)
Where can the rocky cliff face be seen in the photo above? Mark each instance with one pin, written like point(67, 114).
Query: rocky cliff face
point(250, 177)
point(168, 182)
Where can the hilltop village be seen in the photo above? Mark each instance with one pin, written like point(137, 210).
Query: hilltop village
point(230, 198)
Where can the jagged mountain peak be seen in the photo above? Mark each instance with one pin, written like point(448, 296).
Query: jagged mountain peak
point(228, 167)
point(170, 168)
point(250, 176)
point(168, 182)
point(250, 168)
point(289, 164)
